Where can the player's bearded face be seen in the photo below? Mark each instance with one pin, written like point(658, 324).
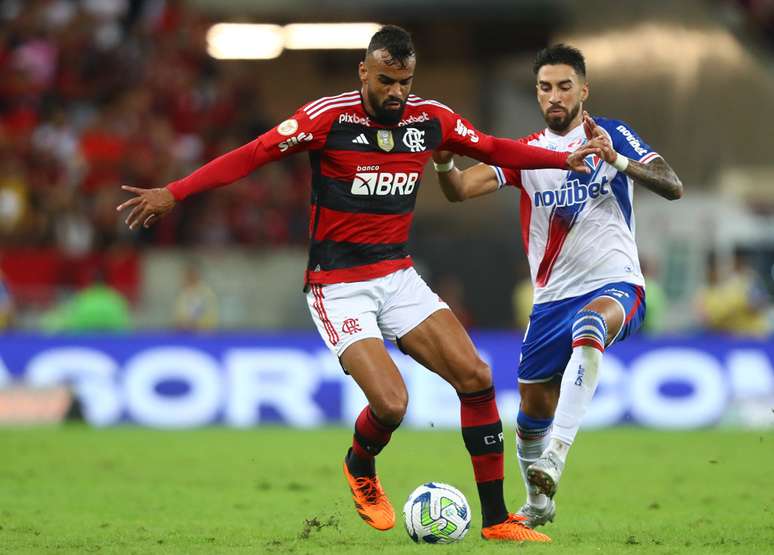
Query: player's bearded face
point(559, 118)
point(561, 93)
point(387, 110)
point(386, 85)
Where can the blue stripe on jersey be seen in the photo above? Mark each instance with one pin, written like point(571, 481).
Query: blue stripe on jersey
point(620, 187)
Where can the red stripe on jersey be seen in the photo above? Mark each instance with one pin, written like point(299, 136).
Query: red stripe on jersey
point(360, 273)
point(558, 230)
point(363, 228)
point(333, 337)
point(640, 294)
point(525, 217)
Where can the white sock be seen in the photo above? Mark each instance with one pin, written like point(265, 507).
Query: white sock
point(578, 386)
point(528, 451)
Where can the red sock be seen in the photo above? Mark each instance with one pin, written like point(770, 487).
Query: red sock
point(482, 431)
point(369, 439)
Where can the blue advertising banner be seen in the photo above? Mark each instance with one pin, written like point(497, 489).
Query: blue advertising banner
point(180, 381)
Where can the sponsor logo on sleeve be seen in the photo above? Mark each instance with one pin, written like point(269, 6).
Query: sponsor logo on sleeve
point(631, 139)
point(464, 131)
point(302, 137)
point(287, 127)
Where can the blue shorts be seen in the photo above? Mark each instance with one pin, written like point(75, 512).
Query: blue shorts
point(547, 344)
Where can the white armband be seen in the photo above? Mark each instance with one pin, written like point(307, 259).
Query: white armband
point(444, 168)
point(620, 163)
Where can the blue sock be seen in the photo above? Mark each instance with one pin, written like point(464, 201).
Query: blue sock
point(531, 440)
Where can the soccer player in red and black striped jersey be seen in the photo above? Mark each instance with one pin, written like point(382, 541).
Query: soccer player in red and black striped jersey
point(368, 149)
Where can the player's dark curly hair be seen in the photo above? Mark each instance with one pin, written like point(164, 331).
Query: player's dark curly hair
point(396, 41)
point(561, 54)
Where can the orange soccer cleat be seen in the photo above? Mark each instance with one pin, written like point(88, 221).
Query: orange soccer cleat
point(370, 500)
point(513, 530)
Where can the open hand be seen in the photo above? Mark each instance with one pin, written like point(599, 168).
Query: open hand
point(148, 206)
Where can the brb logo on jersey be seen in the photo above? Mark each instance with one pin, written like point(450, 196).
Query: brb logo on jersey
point(383, 183)
point(571, 193)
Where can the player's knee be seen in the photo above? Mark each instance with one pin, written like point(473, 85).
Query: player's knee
point(391, 409)
point(477, 378)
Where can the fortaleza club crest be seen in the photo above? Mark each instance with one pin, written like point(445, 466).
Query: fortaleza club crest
point(384, 140)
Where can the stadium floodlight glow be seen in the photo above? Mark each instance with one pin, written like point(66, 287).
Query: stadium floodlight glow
point(329, 36)
point(245, 41)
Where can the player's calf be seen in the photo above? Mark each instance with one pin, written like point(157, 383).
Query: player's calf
point(370, 437)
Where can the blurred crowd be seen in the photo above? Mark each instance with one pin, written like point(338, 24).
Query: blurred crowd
point(96, 94)
point(99, 93)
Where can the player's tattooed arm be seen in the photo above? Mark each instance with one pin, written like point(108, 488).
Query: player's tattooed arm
point(460, 185)
point(657, 176)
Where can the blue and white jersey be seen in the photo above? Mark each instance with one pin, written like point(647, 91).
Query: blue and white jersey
point(578, 229)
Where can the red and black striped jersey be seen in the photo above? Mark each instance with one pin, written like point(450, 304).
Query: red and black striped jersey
point(365, 176)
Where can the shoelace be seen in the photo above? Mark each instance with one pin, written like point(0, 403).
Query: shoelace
point(369, 489)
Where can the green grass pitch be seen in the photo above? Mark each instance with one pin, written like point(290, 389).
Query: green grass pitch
point(275, 490)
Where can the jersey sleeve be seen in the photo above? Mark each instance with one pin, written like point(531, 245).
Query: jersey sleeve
point(461, 137)
point(295, 134)
point(626, 141)
point(508, 176)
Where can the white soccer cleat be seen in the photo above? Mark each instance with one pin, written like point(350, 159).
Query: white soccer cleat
point(545, 472)
point(534, 517)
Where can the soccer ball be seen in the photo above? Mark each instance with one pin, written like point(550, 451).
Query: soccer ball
point(436, 513)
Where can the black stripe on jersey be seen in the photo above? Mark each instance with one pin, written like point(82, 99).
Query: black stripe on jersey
point(426, 136)
point(335, 255)
point(337, 195)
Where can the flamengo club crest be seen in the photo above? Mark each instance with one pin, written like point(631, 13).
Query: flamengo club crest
point(414, 139)
point(351, 326)
point(384, 140)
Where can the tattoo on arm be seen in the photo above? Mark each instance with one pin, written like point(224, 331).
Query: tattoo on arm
point(657, 176)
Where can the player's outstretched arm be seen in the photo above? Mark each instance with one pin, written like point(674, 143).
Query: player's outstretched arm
point(461, 185)
point(151, 204)
point(656, 175)
point(462, 138)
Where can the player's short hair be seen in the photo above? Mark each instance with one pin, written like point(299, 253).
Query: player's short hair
point(396, 41)
point(561, 54)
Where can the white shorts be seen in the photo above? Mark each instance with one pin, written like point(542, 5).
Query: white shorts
point(384, 308)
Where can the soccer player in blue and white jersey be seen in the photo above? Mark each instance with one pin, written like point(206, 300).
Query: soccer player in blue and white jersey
point(578, 233)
